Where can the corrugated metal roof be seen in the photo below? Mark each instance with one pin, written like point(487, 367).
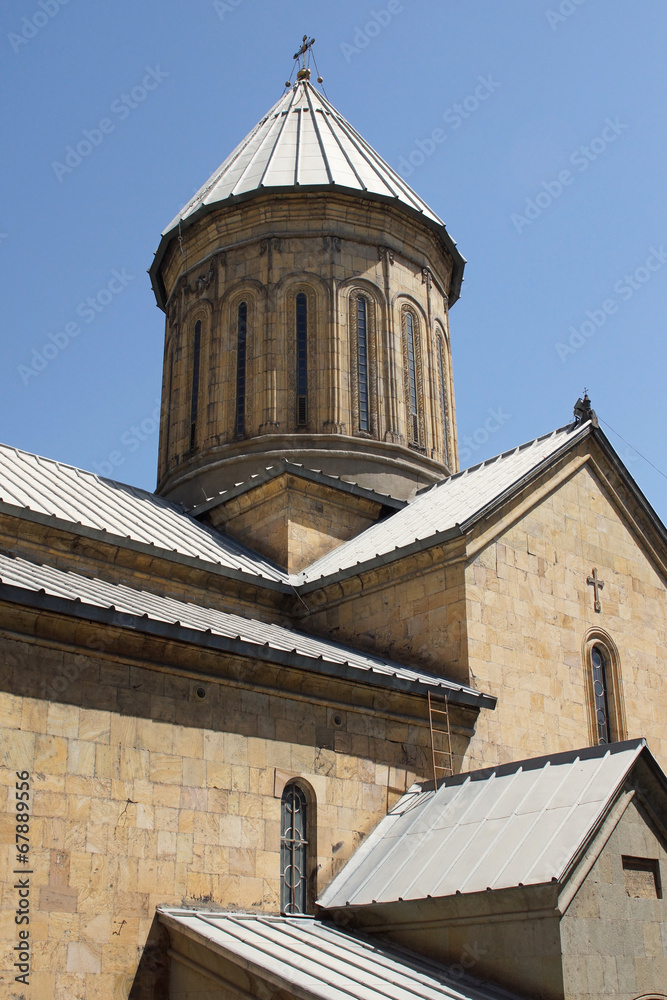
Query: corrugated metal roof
point(303, 141)
point(444, 506)
point(72, 495)
point(304, 144)
point(519, 824)
point(309, 958)
point(23, 575)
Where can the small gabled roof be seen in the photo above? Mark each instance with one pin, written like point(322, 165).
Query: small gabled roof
point(39, 488)
point(520, 824)
point(312, 960)
point(283, 466)
point(24, 582)
point(446, 509)
point(304, 144)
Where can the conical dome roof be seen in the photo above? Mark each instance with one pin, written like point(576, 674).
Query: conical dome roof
point(304, 143)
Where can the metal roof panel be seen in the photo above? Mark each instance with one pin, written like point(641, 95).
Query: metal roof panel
point(28, 576)
point(61, 491)
point(444, 506)
point(328, 152)
point(518, 824)
point(305, 956)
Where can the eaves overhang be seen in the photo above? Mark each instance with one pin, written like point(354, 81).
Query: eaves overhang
point(145, 548)
point(447, 242)
point(175, 632)
point(285, 467)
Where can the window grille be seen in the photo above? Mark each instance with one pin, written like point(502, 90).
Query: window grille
point(601, 695)
point(293, 851)
point(301, 359)
point(241, 344)
point(362, 362)
point(194, 404)
point(412, 377)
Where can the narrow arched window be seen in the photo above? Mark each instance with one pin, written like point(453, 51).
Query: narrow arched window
point(411, 380)
point(604, 686)
point(600, 668)
point(362, 362)
point(444, 395)
point(293, 850)
point(241, 345)
point(194, 397)
point(301, 359)
point(167, 405)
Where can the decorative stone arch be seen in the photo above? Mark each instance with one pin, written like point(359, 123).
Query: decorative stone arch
point(283, 285)
point(236, 367)
point(302, 408)
point(246, 286)
point(364, 384)
point(283, 784)
point(413, 327)
point(614, 687)
point(189, 351)
point(443, 378)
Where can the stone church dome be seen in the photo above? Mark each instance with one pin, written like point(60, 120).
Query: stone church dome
point(306, 288)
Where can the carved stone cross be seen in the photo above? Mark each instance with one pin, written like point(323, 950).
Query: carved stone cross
point(597, 586)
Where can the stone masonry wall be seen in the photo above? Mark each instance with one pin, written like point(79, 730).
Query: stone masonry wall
point(615, 943)
point(142, 794)
point(529, 610)
point(264, 255)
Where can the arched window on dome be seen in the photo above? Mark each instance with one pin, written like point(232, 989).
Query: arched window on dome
point(603, 684)
point(293, 850)
point(194, 395)
point(301, 359)
point(412, 368)
point(167, 408)
point(362, 348)
point(443, 392)
point(241, 351)
point(362, 362)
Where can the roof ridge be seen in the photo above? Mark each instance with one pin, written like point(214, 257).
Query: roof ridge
point(510, 451)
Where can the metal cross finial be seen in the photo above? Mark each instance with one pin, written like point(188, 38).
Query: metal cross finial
point(303, 50)
point(597, 586)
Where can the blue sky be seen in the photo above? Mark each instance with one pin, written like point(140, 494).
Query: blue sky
point(548, 169)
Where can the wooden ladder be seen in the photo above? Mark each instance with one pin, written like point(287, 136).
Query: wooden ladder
point(442, 754)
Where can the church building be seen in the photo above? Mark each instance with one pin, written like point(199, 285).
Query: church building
point(326, 717)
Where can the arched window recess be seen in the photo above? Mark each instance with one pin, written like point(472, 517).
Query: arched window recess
point(241, 356)
point(412, 366)
point(603, 686)
point(194, 394)
point(294, 850)
point(301, 359)
point(443, 385)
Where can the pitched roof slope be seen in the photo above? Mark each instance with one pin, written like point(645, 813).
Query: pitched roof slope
point(519, 824)
point(308, 958)
point(304, 143)
point(140, 610)
point(446, 506)
point(42, 486)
